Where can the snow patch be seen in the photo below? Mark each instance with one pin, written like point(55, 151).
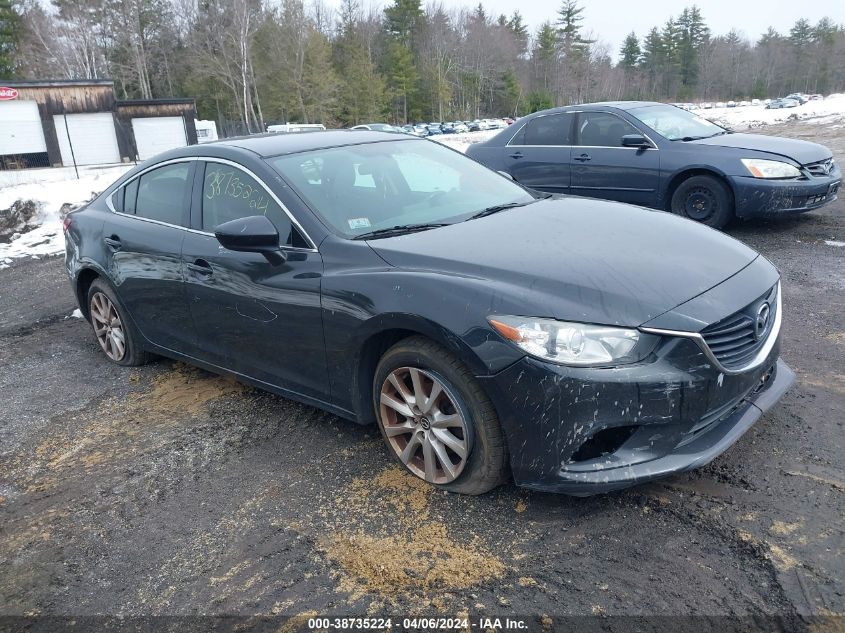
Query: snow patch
point(834, 243)
point(48, 238)
point(827, 111)
point(460, 142)
point(76, 314)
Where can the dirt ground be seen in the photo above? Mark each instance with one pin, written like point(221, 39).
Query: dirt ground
point(164, 490)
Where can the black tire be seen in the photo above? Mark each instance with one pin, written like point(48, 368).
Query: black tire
point(133, 355)
point(486, 465)
point(705, 199)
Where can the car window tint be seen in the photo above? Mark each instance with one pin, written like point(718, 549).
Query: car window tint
point(161, 193)
point(603, 129)
point(130, 196)
point(553, 129)
point(230, 193)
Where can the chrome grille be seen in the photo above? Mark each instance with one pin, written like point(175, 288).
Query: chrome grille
point(735, 340)
point(820, 168)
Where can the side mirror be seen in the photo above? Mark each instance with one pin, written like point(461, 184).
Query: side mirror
point(635, 140)
point(506, 174)
point(253, 234)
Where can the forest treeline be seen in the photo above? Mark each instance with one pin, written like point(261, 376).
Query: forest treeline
point(249, 63)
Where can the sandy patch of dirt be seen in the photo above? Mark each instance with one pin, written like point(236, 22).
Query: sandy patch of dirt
point(785, 529)
point(428, 558)
point(107, 431)
point(393, 487)
point(184, 389)
point(411, 551)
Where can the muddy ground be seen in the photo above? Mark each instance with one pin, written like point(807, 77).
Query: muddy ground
point(168, 491)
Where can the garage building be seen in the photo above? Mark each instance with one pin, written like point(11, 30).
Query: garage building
point(55, 123)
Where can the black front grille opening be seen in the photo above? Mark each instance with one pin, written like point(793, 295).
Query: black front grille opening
point(603, 443)
point(732, 340)
point(820, 168)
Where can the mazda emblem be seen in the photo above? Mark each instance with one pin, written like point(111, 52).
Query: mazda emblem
point(762, 321)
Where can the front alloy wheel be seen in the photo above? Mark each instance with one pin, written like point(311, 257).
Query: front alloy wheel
point(108, 327)
point(436, 419)
point(423, 425)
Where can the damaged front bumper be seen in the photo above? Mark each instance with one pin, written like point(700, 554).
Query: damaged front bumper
point(757, 197)
point(587, 431)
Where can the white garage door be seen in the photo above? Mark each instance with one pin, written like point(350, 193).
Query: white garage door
point(154, 135)
point(21, 131)
point(92, 136)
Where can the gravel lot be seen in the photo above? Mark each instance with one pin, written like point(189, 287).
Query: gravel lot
point(168, 491)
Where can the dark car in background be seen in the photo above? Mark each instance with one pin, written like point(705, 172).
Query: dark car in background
point(663, 157)
point(582, 345)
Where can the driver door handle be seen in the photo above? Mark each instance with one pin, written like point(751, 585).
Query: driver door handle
point(201, 268)
point(583, 158)
point(516, 155)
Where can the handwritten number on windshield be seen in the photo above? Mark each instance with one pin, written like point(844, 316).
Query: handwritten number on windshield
point(226, 183)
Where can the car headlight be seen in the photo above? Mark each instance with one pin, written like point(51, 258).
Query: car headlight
point(578, 344)
point(761, 168)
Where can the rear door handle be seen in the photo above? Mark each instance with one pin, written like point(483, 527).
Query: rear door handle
point(113, 243)
point(583, 158)
point(201, 267)
point(516, 155)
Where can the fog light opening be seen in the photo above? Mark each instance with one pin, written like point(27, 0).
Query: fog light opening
point(603, 443)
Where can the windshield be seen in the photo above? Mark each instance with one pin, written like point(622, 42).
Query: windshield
point(674, 123)
point(359, 189)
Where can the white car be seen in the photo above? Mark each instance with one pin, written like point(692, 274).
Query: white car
point(755, 102)
point(720, 104)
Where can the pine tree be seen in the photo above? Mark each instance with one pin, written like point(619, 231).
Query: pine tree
point(402, 76)
point(519, 30)
point(692, 33)
point(10, 33)
point(403, 19)
point(629, 54)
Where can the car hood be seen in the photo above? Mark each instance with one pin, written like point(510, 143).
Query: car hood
point(574, 259)
point(801, 151)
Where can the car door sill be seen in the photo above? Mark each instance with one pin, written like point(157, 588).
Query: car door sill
point(255, 382)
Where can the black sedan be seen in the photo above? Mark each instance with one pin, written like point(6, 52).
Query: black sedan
point(583, 345)
point(663, 157)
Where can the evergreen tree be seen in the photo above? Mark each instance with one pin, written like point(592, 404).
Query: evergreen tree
point(519, 30)
point(403, 19)
point(692, 33)
point(629, 54)
point(10, 33)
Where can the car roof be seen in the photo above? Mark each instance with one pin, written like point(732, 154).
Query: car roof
point(266, 145)
point(619, 105)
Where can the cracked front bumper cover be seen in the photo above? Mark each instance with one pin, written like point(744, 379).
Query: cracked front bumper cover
point(683, 411)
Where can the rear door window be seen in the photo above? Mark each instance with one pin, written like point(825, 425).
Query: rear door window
point(163, 194)
point(552, 129)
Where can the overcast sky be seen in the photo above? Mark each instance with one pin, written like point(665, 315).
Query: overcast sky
point(611, 20)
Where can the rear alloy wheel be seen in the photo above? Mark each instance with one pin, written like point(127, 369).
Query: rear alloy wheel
point(704, 199)
point(437, 420)
point(114, 331)
point(108, 328)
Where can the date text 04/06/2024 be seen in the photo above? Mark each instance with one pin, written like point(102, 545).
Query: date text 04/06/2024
point(426, 624)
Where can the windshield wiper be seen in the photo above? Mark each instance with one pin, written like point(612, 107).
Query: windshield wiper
point(498, 207)
point(400, 229)
point(686, 139)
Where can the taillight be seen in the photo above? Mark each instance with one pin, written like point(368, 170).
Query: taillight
point(67, 222)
